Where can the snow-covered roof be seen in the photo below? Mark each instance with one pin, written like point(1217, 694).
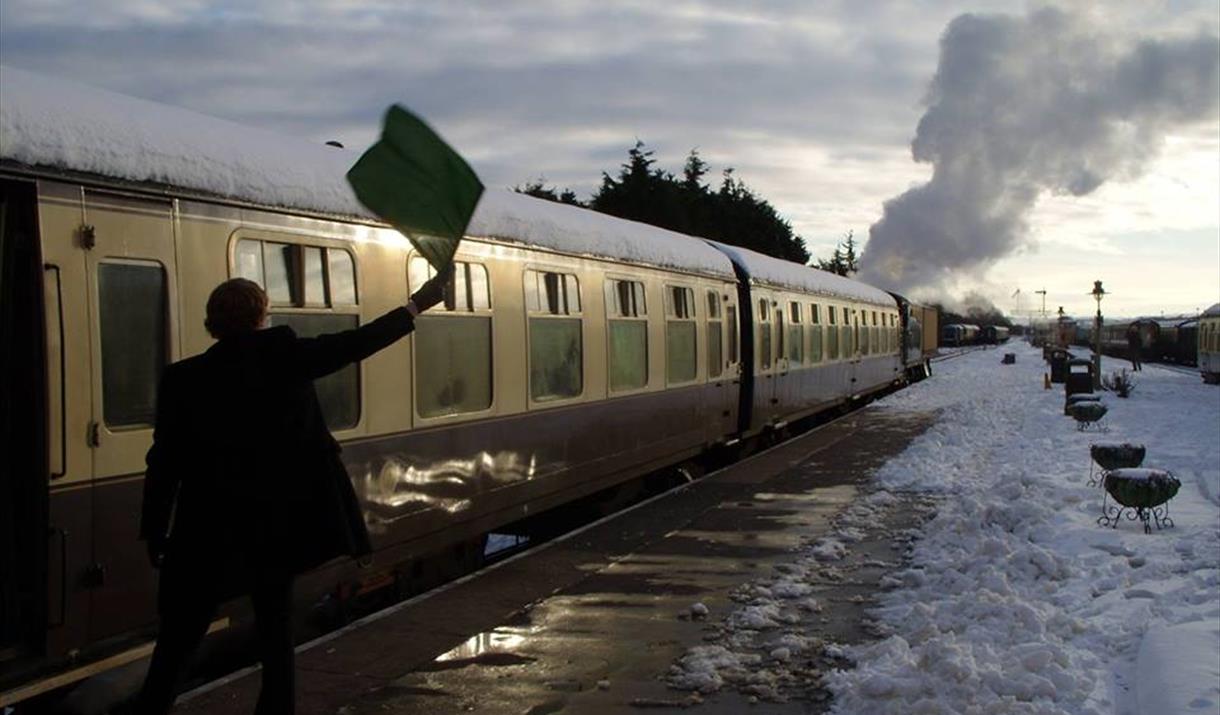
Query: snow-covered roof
point(1212, 311)
point(60, 125)
point(775, 271)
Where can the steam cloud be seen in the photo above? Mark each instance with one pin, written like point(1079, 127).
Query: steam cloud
point(1021, 106)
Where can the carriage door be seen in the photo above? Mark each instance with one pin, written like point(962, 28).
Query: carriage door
point(854, 353)
point(132, 310)
point(722, 365)
point(780, 398)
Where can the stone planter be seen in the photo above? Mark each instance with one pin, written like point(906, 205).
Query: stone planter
point(1142, 494)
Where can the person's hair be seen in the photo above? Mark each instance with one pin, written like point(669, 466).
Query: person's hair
point(235, 307)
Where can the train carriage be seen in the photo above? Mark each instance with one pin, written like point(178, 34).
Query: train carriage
point(815, 338)
point(1209, 345)
point(574, 351)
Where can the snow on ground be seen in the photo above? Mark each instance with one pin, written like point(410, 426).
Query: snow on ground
point(1015, 600)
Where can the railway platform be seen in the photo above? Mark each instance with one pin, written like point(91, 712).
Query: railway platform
point(592, 623)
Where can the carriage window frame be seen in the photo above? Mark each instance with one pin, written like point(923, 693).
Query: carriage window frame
point(626, 307)
point(298, 309)
point(552, 295)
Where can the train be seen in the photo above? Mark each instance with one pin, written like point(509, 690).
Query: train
point(1170, 340)
point(1209, 345)
point(961, 334)
point(575, 352)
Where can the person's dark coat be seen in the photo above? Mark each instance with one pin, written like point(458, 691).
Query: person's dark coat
point(243, 475)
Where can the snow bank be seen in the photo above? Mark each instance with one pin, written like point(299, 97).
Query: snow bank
point(1014, 600)
point(1178, 669)
point(50, 123)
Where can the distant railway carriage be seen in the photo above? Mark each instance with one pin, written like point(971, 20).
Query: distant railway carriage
point(957, 334)
point(993, 334)
point(575, 351)
point(1209, 345)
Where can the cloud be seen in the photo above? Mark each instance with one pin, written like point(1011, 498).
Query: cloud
point(1021, 107)
point(813, 104)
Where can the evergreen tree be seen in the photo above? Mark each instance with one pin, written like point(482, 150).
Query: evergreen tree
point(851, 264)
point(731, 214)
point(539, 189)
point(843, 261)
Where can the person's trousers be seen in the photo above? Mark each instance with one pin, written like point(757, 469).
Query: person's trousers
point(186, 613)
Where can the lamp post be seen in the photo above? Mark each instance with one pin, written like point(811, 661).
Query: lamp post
point(1098, 293)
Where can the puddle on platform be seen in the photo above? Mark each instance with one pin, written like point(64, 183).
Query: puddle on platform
point(492, 648)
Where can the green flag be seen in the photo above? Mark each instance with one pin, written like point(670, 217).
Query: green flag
point(418, 184)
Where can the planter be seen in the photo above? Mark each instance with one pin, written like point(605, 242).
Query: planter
point(1117, 455)
point(1142, 494)
point(1086, 413)
point(1113, 455)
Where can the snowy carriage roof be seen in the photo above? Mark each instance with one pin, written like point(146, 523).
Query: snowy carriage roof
point(60, 125)
point(1211, 312)
point(776, 271)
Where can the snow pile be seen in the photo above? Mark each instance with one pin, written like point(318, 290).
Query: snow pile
point(50, 123)
point(1014, 600)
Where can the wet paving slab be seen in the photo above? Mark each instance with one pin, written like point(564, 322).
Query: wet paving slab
point(593, 623)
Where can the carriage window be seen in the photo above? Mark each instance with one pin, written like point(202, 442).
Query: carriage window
point(862, 331)
point(133, 311)
point(338, 392)
point(625, 299)
point(452, 364)
point(277, 269)
point(832, 333)
point(453, 355)
point(552, 293)
point(679, 302)
point(713, 305)
point(556, 363)
point(764, 336)
point(847, 337)
point(249, 260)
point(342, 274)
point(627, 315)
point(297, 276)
point(796, 340)
point(467, 292)
point(731, 311)
point(681, 354)
point(314, 283)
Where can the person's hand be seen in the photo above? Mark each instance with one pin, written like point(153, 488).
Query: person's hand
point(156, 552)
point(433, 291)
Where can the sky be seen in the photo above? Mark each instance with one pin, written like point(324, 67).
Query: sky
point(814, 105)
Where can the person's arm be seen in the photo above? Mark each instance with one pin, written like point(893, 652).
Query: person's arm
point(320, 356)
point(162, 477)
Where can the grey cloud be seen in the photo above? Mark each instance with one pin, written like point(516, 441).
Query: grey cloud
point(1022, 106)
